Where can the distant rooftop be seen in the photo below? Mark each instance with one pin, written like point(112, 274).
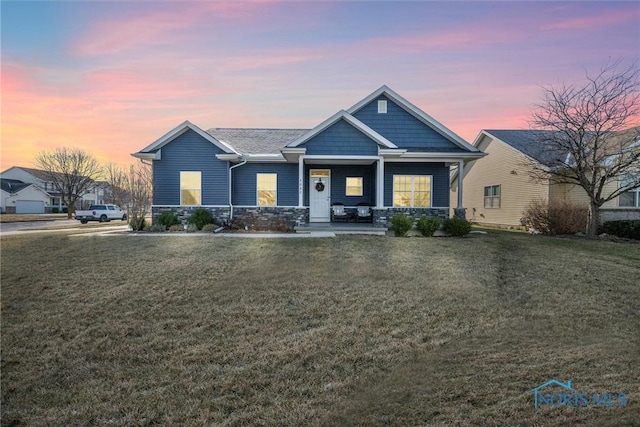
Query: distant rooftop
point(12, 186)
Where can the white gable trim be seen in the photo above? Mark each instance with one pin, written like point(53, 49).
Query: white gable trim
point(416, 112)
point(179, 130)
point(342, 114)
point(33, 186)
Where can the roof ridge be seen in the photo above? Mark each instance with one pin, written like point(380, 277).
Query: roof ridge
point(254, 128)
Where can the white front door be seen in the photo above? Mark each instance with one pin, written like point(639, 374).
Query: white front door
point(319, 195)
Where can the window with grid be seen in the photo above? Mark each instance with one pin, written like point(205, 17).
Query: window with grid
point(412, 191)
point(191, 188)
point(267, 189)
point(354, 186)
point(492, 197)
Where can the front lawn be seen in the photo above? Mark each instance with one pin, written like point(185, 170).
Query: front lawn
point(362, 330)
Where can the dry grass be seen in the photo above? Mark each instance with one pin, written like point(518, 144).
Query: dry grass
point(7, 218)
point(347, 331)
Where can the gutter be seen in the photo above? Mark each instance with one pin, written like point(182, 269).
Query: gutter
point(244, 161)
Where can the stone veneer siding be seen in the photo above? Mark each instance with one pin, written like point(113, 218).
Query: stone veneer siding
point(254, 218)
point(382, 217)
point(270, 218)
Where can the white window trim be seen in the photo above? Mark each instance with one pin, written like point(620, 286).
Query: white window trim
point(382, 106)
point(636, 199)
point(635, 192)
point(258, 190)
point(346, 186)
point(499, 197)
point(199, 189)
point(393, 189)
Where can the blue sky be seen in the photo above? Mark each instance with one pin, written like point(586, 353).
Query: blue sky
point(112, 76)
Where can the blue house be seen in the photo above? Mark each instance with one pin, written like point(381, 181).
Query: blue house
point(383, 152)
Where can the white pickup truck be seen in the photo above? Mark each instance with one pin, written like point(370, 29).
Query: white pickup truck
point(102, 213)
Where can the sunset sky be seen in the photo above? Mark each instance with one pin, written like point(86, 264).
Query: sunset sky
point(111, 77)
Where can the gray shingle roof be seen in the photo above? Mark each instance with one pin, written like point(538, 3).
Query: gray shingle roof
point(256, 141)
point(529, 142)
point(12, 186)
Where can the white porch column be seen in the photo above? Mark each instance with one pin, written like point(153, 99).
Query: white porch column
point(300, 181)
point(460, 178)
point(380, 183)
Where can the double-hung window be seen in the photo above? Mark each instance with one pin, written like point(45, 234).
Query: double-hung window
point(631, 198)
point(411, 191)
point(267, 189)
point(191, 188)
point(492, 197)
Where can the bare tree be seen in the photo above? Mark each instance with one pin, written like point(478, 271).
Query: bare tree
point(131, 188)
point(72, 171)
point(586, 135)
point(115, 192)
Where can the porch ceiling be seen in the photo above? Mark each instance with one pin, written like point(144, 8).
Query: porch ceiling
point(339, 161)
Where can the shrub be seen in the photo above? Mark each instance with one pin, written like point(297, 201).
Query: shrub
point(137, 223)
point(167, 219)
point(629, 229)
point(401, 224)
point(176, 227)
point(558, 217)
point(200, 217)
point(428, 225)
point(55, 210)
point(209, 228)
point(192, 228)
point(457, 226)
point(157, 228)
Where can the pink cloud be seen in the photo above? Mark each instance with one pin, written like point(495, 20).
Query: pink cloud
point(273, 58)
point(603, 20)
point(162, 27)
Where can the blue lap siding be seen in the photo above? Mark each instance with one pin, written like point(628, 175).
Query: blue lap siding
point(339, 174)
point(244, 183)
point(190, 152)
point(341, 138)
point(439, 180)
point(402, 128)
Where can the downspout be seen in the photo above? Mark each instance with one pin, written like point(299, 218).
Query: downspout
point(244, 161)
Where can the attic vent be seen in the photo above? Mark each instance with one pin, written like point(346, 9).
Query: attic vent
point(382, 106)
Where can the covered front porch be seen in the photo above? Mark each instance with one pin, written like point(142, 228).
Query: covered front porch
point(373, 189)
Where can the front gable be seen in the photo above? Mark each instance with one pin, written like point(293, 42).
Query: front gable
point(406, 125)
point(154, 150)
point(402, 128)
point(342, 135)
point(341, 138)
point(190, 151)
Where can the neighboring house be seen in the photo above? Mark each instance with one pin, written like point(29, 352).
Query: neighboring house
point(383, 152)
point(19, 197)
point(49, 194)
point(499, 188)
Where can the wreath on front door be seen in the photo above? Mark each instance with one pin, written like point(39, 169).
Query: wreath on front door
point(320, 186)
